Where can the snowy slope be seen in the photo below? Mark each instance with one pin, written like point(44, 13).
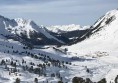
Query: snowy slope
point(11, 50)
point(99, 67)
point(105, 39)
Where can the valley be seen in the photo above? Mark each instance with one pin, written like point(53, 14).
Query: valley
point(35, 54)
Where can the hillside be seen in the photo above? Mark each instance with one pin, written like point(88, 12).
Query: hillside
point(104, 35)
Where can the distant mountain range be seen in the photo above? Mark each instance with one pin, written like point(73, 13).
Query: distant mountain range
point(28, 32)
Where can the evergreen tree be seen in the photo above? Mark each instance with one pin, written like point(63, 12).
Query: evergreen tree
point(60, 82)
point(88, 80)
point(116, 79)
point(78, 80)
point(52, 75)
point(102, 81)
point(2, 62)
point(35, 80)
point(17, 80)
point(12, 63)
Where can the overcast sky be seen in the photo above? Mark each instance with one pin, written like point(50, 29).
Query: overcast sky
point(57, 12)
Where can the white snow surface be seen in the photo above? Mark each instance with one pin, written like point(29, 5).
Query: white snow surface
point(66, 28)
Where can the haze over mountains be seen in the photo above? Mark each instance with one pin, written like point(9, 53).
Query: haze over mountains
point(29, 51)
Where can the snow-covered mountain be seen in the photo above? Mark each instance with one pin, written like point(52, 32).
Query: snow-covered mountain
point(66, 28)
point(102, 36)
point(28, 31)
point(70, 34)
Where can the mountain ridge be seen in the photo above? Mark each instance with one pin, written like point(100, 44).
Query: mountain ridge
point(103, 35)
point(28, 31)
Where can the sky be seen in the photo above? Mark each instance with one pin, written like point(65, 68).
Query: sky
point(57, 12)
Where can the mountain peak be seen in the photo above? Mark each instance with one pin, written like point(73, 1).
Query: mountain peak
point(112, 13)
point(103, 34)
point(22, 21)
point(1, 16)
point(107, 19)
